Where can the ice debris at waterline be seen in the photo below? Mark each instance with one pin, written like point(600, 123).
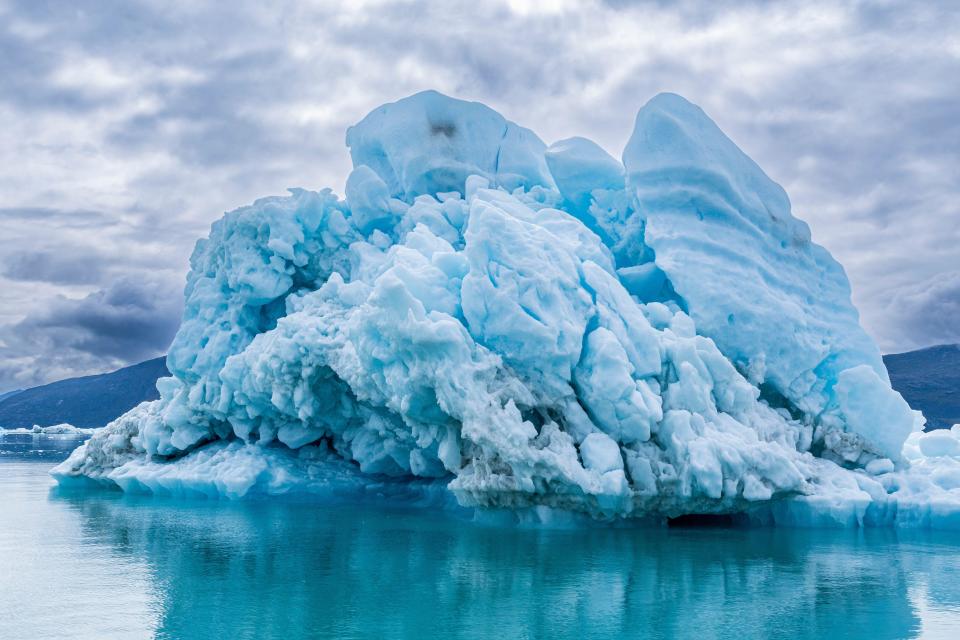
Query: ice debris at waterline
point(535, 329)
point(62, 429)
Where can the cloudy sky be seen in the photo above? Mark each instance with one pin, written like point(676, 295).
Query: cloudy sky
point(127, 127)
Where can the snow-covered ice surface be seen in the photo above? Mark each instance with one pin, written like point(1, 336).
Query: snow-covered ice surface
point(532, 330)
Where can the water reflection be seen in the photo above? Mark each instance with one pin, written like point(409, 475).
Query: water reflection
point(265, 570)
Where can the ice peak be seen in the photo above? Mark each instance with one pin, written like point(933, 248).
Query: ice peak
point(430, 143)
point(670, 131)
point(723, 233)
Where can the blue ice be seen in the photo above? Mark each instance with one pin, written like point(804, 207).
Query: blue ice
point(538, 329)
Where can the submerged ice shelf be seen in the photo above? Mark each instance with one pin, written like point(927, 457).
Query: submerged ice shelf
point(531, 328)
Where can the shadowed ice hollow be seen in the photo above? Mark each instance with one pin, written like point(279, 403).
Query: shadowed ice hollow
point(533, 329)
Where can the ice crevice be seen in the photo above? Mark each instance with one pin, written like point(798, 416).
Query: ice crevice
point(488, 322)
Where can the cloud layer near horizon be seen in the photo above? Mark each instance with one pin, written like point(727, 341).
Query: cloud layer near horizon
point(131, 126)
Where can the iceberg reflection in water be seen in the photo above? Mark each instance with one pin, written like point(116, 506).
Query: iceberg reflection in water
point(211, 569)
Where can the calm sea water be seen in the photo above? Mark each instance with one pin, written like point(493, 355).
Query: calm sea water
point(105, 565)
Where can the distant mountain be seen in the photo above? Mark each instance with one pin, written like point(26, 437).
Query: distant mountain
point(7, 394)
point(90, 401)
point(929, 380)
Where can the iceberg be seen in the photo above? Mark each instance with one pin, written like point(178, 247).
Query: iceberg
point(488, 321)
point(62, 429)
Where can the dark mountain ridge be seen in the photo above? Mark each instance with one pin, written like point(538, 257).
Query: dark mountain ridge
point(89, 401)
point(929, 380)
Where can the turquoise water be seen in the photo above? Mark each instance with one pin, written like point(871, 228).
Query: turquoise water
point(105, 565)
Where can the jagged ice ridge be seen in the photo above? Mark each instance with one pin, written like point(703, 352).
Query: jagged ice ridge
point(535, 329)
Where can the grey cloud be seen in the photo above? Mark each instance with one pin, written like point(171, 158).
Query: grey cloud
point(53, 267)
point(63, 217)
point(127, 321)
point(20, 65)
point(930, 309)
